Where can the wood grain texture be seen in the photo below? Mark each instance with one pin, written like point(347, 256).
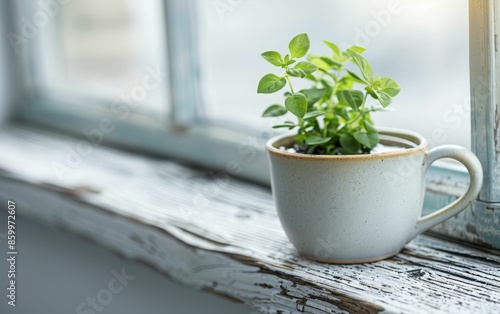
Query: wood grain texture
point(211, 231)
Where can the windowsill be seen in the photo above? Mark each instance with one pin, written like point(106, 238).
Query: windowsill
point(220, 234)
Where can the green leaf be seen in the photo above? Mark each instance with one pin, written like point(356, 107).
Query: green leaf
point(357, 78)
point(354, 98)
point(300, 137)
point(287, 58)
point(358, 49)
point(299, 46)
point(320, 63)
point(344, 113)
point(369, 127)
point(346, 82)
point(328, 89)
point(313, 114)
point(296, 73)
point(371, 92)
point(307, 67)
point(331, 62)
point(273, 57)
point(311, 149)
point(313, 95)
point(384, 99)
point(311, 77)
point(369, 140)
point(332, 46)
point(316, 140)
point(330, 116)
point(343, 57)
point(363, 65)
point(349, 144)
point(274, 111)
point(271, 83)
point(287, 125)
point(297, 104)
point(389, 86)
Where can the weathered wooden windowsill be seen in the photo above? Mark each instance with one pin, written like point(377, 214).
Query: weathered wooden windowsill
point(219, 234)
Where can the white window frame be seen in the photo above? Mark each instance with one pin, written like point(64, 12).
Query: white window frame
point(187, 136)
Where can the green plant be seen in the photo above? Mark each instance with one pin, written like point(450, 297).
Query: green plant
point(333, 117)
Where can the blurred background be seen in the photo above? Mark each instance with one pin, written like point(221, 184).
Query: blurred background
point(87, 53)
point(422, 44)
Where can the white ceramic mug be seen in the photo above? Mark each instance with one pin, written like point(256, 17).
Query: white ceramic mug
point(361, 208)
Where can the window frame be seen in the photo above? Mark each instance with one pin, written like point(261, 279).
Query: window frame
point(484, 29)
point(186, 136)
point(485, 75)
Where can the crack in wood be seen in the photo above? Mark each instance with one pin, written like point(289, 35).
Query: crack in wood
point(339, 300)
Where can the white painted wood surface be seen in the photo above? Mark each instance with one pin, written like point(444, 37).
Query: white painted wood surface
point(216, 233)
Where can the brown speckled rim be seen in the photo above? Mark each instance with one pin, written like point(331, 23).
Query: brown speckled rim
point(387, 135)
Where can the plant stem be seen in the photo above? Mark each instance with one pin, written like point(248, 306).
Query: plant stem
point(301, 121)
point(361, 112)
point(289, 83)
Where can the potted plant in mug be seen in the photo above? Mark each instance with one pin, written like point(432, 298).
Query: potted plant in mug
point(337, 182)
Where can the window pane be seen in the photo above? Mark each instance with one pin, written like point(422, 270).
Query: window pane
point(92, 49)
point(422, 44)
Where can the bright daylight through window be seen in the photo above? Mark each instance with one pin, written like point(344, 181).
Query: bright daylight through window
point(423, 45)
point(93, 53)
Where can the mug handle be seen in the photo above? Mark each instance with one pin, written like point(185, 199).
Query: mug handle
point(470, 161)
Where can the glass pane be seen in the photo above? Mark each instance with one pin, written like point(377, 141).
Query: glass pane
point(104, 50)
point(422, 44)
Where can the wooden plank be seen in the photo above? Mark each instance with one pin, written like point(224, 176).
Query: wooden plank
point(211, 231)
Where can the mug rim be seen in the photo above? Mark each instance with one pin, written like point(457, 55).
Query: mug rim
point(401, 134)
